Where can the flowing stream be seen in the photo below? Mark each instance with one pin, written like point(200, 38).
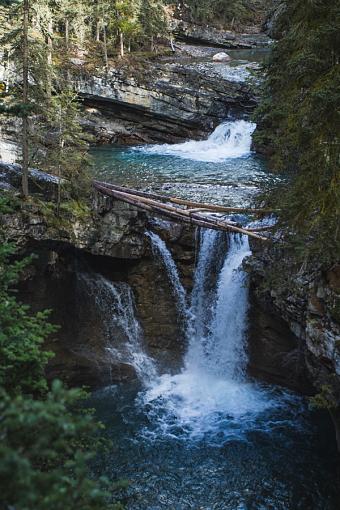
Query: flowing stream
point(207, 437)
point(221, 169)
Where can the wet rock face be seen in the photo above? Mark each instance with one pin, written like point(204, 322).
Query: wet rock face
point(55, 282)
point(9, 147)
point(307, 308)
point(295, 327)
point(276, 355)
point(109, 243)
point(162, 101)
point(82, 345)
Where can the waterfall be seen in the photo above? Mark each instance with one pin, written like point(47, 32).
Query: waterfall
point(211, 395)
point(160, 248)
point(217, 344)
point(115, 304)
point(229, 140)
point(200, 309)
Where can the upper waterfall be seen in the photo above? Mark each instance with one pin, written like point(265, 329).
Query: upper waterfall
point(230, 139)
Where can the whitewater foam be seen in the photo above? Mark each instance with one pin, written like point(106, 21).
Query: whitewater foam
point(229, 140)
point(211, 396)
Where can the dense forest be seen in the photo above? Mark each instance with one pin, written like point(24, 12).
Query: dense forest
point(50, 439)
point(223, 13)
point(299, 127)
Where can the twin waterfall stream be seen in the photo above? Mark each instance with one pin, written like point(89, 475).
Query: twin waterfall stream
point(205, 436)
point(212, 383)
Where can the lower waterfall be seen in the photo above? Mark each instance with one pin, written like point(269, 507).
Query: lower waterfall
point(211, 395)
point(218, 345)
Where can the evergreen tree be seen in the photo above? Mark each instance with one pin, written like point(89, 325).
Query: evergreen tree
point(299, 125)
point(65, 155)
point(153, 20)
point(126, 22)
point(55, 141)
point(22, 362)
point(47, 436)
point(30, 89)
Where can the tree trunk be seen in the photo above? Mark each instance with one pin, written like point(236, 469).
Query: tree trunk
point(25, 121)
point(105, 46)
point(61, 148)
point(67, 33)
point(121, 44)
point(176, 213)
point(98, 22)
point(49, 58)
point(152, 46)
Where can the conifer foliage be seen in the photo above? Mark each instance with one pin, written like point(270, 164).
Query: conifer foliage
point(47, 438)
point(41, 40)
point(299, 126)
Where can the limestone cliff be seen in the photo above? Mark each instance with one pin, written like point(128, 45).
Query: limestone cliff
point(157, 101)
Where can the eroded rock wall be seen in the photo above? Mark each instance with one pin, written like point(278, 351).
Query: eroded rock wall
point(160, 101)
point(304, 305)
point(79, 254)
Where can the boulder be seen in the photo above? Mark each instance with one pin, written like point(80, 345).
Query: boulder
point(221, 57)
point(38, 181)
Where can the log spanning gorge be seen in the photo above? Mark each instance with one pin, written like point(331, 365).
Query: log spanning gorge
point(202, 433)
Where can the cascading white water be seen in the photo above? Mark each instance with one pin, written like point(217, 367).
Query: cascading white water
point(211, 394)
point(229, 140)
point(115, 304)
point(160, 248)
point(200, 313)
point(220, 349)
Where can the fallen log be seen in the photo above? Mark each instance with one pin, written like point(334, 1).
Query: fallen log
point(175, 213)
point(157, 209)
point(187, 203)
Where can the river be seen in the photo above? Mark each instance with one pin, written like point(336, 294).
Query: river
point(207, 437)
